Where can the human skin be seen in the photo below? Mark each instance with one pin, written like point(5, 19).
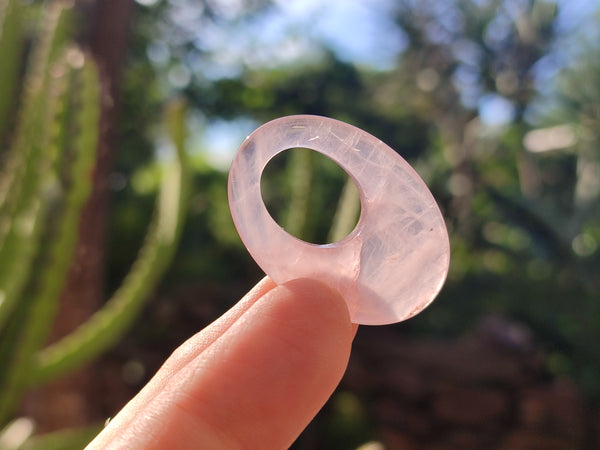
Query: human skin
point(252, 379)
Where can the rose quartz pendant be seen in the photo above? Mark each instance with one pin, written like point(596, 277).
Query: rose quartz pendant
point(394, 262)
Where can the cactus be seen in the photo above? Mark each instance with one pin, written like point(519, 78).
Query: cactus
point(11, 44)
point(347, 211)
point(108, 324)
point(27, 177)
point(45, 181)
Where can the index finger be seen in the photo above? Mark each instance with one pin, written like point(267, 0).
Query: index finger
point(256, 385)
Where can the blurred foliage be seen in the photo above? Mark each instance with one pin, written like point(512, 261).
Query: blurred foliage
point(18, 435)
point(46, 180)
point(520, 198)
point(494, 104)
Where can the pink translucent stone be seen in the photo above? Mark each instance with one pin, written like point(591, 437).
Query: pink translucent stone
point(394, 262)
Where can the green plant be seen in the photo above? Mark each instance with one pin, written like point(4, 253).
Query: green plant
point(45, 182)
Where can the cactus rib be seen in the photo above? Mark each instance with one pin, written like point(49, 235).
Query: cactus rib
point(11, 45)
point(107, 325)
point(46, 48)
point(75, 135)
point(24, 182)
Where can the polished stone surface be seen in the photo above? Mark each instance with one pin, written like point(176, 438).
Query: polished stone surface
point(394, 262)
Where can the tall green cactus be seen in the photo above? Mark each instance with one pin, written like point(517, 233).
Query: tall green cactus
point(45, 181)
point(11, 44)
point(108, 324)
point(27, 178)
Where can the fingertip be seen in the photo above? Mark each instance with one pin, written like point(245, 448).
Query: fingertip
point(324, 301)
point(320, 304)
point(266, 378)
point(271, 368)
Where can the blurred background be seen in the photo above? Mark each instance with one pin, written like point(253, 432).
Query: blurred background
point(495, 103)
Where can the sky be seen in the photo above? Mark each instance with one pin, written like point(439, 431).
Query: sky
point(358, 31)
point(353, 29)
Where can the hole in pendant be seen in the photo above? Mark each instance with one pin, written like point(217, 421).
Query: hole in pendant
point(310, 196)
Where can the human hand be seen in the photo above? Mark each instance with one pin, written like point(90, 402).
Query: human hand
point(252, 379)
